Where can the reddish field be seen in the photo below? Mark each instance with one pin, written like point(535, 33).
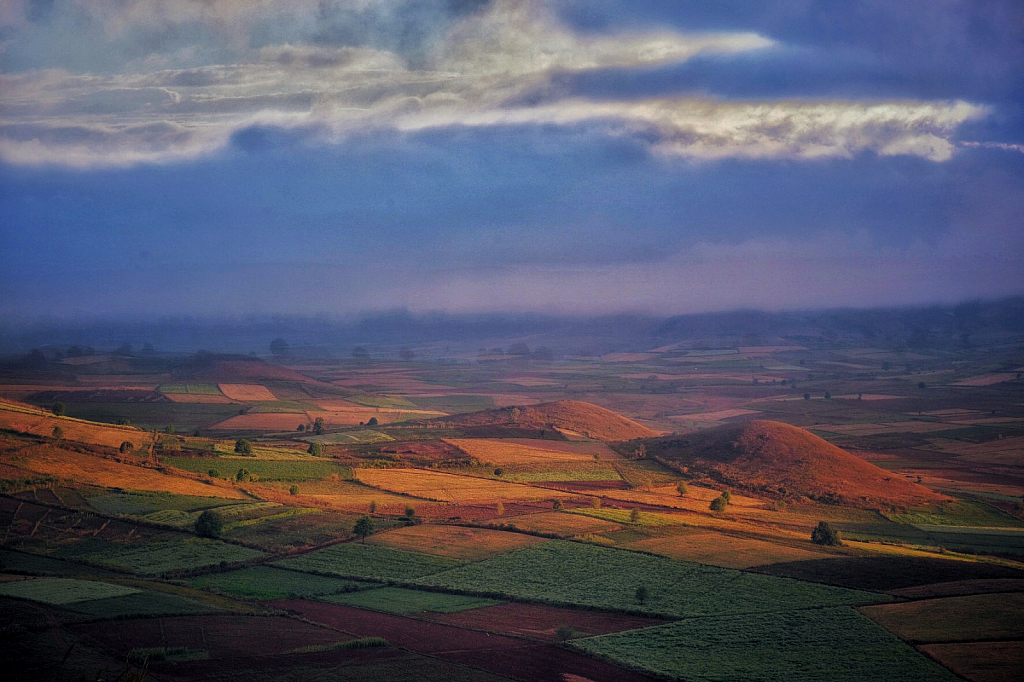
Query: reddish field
point(451, 488)
point(961, 587)
point(980, 661)
point(540, 622)
point(246, 392)
point(458, 542)
point(27, 419)
point(513, 657)
point(222, 636)
point(583, 418)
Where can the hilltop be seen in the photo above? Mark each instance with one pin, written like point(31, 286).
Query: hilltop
point(780, 459)
point(235, 368)
point(572, 417)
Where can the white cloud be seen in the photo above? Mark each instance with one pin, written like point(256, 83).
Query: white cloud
point(483, 62)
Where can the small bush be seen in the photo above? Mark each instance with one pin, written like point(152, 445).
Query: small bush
point(214, 473)
point(641, 594)
point(58, 433)
point(126, 447)
point(243, 475)
point(59, 409)
point(294, 490)
point(681, 489)
point(208, 525)
point(364, 527)
point(243, 447)
point(719, 504)
point(558, 505)
point(316, 449)
point(825, 534)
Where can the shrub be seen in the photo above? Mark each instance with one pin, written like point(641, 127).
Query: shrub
point(410, 512)
point(318, 425)
point(807, 396)
point(825, 534)
point(372, 422)
point(634, 516)
point(681, 489)
point(316, 449)
point(719, 504)
point(294, 490)
point(59, 409)
point(499, 471)
point(208, 525)
point(169, 429)
point(641, 594)
point(373, 506)
point(564, 633)
point(727, 495)
point(58, 433)
point(828, 396)
point(364, 527)
point(243, 475)
point(214, 473)
point(558, 506)
point(243, 447)
point(124, 421)
point(301, 428)
point(126, 447)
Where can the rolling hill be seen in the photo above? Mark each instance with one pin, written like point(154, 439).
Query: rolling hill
point(570, 416)
point(784, 460)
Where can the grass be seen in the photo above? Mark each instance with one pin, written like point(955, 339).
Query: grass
point(194, 389)
point(581, 574)
point(399, 600)
point(156, 558)
point(626, 515)
point(454, 542)
point(267, 582)
point(143, 603)
point(62, 590)
point(20, 562)
point(959, 513)
point(141, 504)
point(822, 644)
point(387, 401)
point(358, 436)
point(356, 560)
point(304, 530)
point(264, 470)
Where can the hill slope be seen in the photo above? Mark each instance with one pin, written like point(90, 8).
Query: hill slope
point(786, 460)
point(579, 417)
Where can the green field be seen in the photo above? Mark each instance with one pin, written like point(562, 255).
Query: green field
point(818, 644)
point(264, 470)
point(563, 474)
point(144, 603)
point(574, 573)
point(303, 530)
point(267, 582)
point(455, 403)
point(141, 504)
point(62, 590)
point(386, 401)
point(399, 600)
point(357, 560)
point(155, 558)
point(20, 562)
point(960, 513)
point(357, 436)
point(194, 389)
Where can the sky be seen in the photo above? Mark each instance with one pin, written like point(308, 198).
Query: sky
point(238, 157)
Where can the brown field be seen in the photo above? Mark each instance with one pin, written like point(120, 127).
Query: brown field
point(719, 549)
point(540, 622)
point(94, 470)
point(26, 419)
point(980, 661)
point(987, 379)
point(586, 419)
point(960, 588)
point(247, 392)
point(697, 498)
point(431, 485)
point(564, 524)
point(222, 636)
point(712, 416)
point(952, 619)
point(349, 496)
point(268, 421)
point(526, 451)
point(457, 542)
point(503, 655)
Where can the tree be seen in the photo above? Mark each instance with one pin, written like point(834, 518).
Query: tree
point(641, 594)
point(243, 475)
point(208, 525)
point(719, 504)
point(301, 428)
point(499, 471)
point(279, 348)
point(124, 421)
point(807, 396)
point(514, 414)
point(681, 488)
point(825, 534)
point(58, 433)
point(564, 633)
point(410, 512)
point(59, 409)
point(828, 396)
point(294, 490)
point(640, 452)
point(373, 506)
point(318, 425)
point(169, 429)
point(316, 449)
point(634, 516)
point(519, 349)
point(558, 505)
point(373, 421)
point(363, 527)
point(921, 384)
point(727, 495)
point(214, 473)
point(243, 447)
point(126, 447)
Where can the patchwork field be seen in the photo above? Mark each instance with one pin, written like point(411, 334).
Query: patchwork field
point(819, 644)
point(440, 487)
point(156, 558)
point(262, 469)
point(356, 560)
point(247, 392)
point(536, 621)
point(398, 600)
point(561, 523)
point(718, 549)
point(268, 582)
point(502, 451)
point(62, 590)
point(455, 542)
point(952, 619)
point(980, 661)
point(573, 573)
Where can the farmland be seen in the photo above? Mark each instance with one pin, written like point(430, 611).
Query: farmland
point(454, 542)
point(262, 469)
point(976, 617)
point(821, 644)
point(156, 558)
point(561, 572)
point(398, 600)
point(62, 590)
point(267, 582)
point(356, 560)
point(448, 488)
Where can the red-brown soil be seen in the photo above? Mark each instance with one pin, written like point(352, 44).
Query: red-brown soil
point(569, 415)
point(980, 661)
point(513, 657)
point(961, 587)
point(786, 460)
point(540, 622)
point(221, 636)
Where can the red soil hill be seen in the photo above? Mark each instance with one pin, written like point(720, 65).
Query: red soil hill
point(568, 415)
point(784, 460)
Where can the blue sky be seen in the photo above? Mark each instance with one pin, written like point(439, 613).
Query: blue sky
point(227, 157)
